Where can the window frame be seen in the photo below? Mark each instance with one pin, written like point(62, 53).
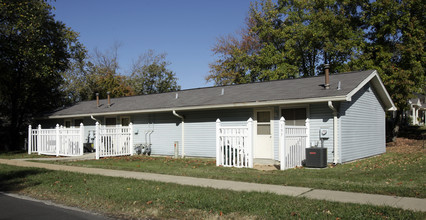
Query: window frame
point(106, 118)
point(69, 121)
point(305, 106)
point(76, 124)
point(125, 117)
point(270, 123)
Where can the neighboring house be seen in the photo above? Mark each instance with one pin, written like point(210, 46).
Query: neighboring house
point(358, 99)
point(417, 110)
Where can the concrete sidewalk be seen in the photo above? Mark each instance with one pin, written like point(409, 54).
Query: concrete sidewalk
point(408, 203)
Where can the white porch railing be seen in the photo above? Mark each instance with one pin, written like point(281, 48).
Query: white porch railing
point(59, 141)
point(293, 141)
point(113, 141)
point(234, 145)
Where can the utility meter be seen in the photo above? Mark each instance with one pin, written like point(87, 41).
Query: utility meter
point(323, 133)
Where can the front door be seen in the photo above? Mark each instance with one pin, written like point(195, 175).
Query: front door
point(263, 134)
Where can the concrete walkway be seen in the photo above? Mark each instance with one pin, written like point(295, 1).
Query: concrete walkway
point(408, 203)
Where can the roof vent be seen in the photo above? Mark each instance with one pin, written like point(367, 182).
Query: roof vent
point(223, 91)
point(177, 95)
point(338, 86)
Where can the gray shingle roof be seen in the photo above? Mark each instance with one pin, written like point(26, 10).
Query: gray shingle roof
point(210, 97)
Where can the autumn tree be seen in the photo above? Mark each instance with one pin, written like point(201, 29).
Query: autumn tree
point(104, 71)
point(151, 75)
point(99, 73)
point(34, 50)
point(287, 40)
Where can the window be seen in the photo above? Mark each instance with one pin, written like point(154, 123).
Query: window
point(294, 116)
point(125, 121)
point(110, 121)
point(77, 122)
point(67, 123)
point(264, 123)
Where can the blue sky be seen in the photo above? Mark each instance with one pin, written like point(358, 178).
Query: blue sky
point(184, 29)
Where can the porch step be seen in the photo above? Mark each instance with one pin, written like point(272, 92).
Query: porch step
point(261, 161)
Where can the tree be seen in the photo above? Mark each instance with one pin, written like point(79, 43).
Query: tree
point(97, 74)
point(394, 45)
point(292, 38)
point(318, 32)
point(34, 50)
point(150, 75)
point(287, 40)
point(105, 76)
point(77, 85)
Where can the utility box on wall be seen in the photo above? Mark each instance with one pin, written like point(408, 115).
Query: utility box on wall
point(176, 146)
point(316, 157)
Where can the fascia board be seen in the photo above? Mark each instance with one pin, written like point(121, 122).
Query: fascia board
point(207, 107)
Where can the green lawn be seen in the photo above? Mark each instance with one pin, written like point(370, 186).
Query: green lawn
point(400, 174)
point(20, 155)
point(129, 198)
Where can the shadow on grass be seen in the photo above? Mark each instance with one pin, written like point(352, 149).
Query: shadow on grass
point(16, 180)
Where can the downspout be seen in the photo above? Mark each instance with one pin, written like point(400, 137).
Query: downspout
point(93, 118)
point(335, 130)
point(183, 132)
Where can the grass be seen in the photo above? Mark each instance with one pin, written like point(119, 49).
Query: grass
point(393, 173)
point(129, 198)
point(20, 155)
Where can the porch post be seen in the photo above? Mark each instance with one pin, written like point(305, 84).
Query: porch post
point(81, 139)
point(119, 143)
point(218, 150)
point(39, 139)
point(250, 141)
point(58, 142)
point(413, 116)
point(97, 138)
point(282, 142)
point(307, 124)
point(29, 139)
point(131, 138)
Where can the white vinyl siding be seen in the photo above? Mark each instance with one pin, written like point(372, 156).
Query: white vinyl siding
point(363, 126)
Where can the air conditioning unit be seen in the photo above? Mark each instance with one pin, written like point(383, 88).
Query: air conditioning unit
point(316, 157)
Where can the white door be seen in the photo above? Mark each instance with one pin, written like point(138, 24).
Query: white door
point(263, 134)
